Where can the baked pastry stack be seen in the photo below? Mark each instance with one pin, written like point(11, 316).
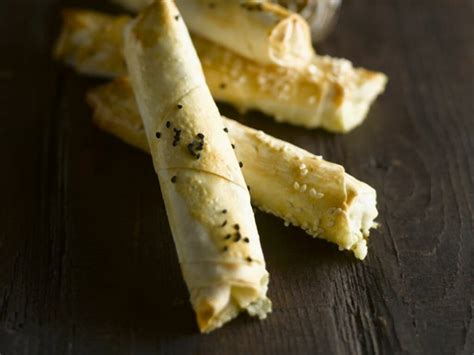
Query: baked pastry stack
point(210, 166)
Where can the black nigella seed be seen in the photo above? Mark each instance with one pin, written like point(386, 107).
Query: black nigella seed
point(248, 187)
point(226, 130)
point(224, 211)
point(236, 227)
point(158, 135)
point(233, 146)
point(175, 143)
point(200, 146)
point(237, 237)
point(249, 259)
point(224, 224)
point(227, 236)
point(176, 17)
point(223, 85)
point(180, 106)
point(246, 240)
point(198, 156)
point(168, 124)
point(225, 248)
point(212, 5)
point(200, 136)
point(173, 179)
point(241, 164)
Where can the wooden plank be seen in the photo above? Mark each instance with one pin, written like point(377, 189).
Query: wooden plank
point(87, 262)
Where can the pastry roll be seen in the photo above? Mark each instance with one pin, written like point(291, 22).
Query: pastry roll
point(284, 180)
point(329, 93)
point(206, 198)
point(258, 30)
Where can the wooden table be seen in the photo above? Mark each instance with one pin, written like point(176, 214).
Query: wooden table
point(87, 262)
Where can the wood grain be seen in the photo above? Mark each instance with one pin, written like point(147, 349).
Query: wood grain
point(87, 262)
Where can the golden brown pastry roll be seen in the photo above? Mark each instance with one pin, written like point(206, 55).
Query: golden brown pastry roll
point(206, 198)
point(284, 180)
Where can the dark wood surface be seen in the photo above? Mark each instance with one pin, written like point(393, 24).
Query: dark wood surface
point(87, 262)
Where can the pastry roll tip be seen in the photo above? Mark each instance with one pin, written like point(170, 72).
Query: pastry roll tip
point(284, 180)
point(99, 54)
point(206, 199)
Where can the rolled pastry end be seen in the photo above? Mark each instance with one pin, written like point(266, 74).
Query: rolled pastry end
point(362, 212)
point(287, 39)
point(216, 305)
point(349, 224)
point(92, 42)
point(354, 99)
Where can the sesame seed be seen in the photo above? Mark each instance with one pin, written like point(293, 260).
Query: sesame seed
point(304, 172)
point(312, 69)
point(302, 166)
point(303, 188)
point(158, 135)
point(315, 193)
point(173, 179)
point(296, 186)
